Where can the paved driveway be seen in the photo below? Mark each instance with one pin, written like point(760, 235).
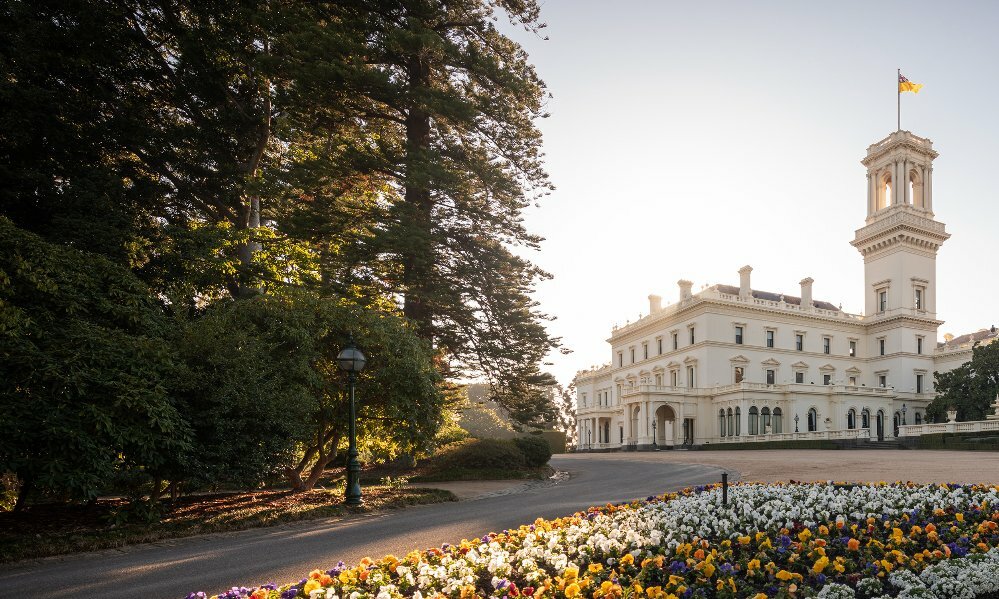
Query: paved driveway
point(287, 553)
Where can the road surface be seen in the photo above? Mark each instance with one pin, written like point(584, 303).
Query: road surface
point(212, 563)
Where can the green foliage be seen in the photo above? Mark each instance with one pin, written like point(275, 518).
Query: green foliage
point(264, 394)
point(536, 450)
point(970, 388)
point(481, 453)
point(87, 366)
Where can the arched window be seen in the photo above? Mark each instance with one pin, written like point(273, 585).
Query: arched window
point(721, 422)
point(738, 422)
point(865, 418)
point(778, 421)
point(851, 419)
point(731, 425)
point(765, 421)
point(813, 420)
point(919, 418)
point(754, 421)
point(915, 189)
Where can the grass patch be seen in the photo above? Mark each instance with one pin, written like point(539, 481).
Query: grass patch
point(46, 530)
point(452, 474)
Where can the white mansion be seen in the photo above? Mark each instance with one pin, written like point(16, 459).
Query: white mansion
point(735, 364)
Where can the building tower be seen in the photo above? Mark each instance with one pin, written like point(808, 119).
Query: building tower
point(899, 243)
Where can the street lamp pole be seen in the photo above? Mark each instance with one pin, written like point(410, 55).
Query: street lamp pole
point(352, 361)
point(796, 423)
point(903, 414)
point(654, 446)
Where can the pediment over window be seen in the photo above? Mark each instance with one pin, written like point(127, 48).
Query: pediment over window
point(853, 370)
point(770, 362)
point(644, 373)
point(658, 369)
point(739, 358)
point(690, 360)
point(827, 368)
point(799, 365)
point(673, 364)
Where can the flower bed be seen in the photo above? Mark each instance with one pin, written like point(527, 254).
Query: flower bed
point(785, 540)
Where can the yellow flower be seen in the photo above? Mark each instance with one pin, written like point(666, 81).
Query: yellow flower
point(594, 568)
point(571, 572)
point(805, 535)
point(959, 516)
point(784, 575)
point(572, 590)
point(820, 564)
point(628, 559)
point(310, 586)
point(760, 596)
point(745, 540)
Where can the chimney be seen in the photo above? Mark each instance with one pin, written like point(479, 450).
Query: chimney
point(655, 303)
point(744, 289)
point(806, 293)
point(685, 286)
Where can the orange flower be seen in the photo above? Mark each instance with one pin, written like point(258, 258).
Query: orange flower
point(853, 544)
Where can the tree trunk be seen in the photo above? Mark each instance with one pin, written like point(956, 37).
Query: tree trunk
point(418, 257)
point(27, 486)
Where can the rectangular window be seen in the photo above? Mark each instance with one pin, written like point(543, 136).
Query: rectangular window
point(882, 301)
point(739, 374)
point(826, 345)
point(771, 376)
point(691, 335)
point(659, 380)
point(676, 341)
point(632, 350)
point(673, 377)
point(770, 338)
point(738, 335)
point(881, 346)
point(919, 383)
point(919, 345)
point(659, 344)
point(853, 349)
point(799, 377)
point(882, 380)
point(919, 298)
point(799, 342)
point(690, 377)
point(645, 351)
point(853, 380)
point(620, 358)
point(826, 379)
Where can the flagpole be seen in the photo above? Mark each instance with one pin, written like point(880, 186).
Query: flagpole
point(898, 100)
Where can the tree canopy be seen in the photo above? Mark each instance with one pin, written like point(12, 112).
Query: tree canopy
point(970, 389)
point(221, 192)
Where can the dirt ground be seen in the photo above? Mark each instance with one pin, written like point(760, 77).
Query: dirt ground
point(919, 466)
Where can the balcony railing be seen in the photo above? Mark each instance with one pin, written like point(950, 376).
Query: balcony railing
point(972, 426)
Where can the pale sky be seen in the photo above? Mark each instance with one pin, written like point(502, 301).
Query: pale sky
point(690, 138)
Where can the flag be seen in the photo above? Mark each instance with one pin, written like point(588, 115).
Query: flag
point(904, 85)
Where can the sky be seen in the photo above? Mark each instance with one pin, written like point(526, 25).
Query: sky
point(687, 139)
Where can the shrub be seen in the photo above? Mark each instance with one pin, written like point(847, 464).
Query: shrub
point(536, 449)
point(481, 453)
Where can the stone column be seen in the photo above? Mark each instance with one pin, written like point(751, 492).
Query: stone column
point(871, 193)
point(928, 189)
point(905, 183)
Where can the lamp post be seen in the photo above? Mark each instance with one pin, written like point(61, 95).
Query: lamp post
point(796, 423)
point(589, 441)
point(903, 414)
point(654, 446)
point(352, 361)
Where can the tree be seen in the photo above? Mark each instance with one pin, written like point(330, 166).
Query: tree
point(971, 388)
point(264, 394)
point(87, 363)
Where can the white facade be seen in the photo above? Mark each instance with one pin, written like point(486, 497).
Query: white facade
point(735, 364)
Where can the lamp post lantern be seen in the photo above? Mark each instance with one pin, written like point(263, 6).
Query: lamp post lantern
point(903, 414)
point(654, 446)
point(352, 361)
point(796, 423)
